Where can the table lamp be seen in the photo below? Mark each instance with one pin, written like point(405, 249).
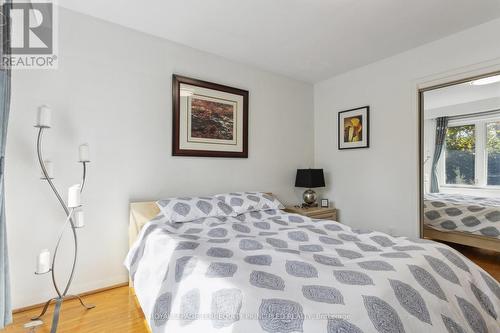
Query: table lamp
point(310, 178)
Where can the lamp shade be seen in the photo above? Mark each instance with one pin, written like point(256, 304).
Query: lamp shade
point(310, 178)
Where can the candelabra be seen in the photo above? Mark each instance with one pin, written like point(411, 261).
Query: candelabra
point(70, 208)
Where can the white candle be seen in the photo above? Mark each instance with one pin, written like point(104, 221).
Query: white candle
point(78, 219)
point(74, 198)
point(44, 116)
point(43, 262)
point(83, 152)
point(49, 167)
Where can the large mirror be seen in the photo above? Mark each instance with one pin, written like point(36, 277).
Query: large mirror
point(460, 162)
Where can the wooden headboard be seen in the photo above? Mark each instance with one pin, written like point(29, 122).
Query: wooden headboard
point(140, 214)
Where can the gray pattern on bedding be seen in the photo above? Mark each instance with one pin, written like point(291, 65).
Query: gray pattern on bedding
point(454, 212)
point(308, 276)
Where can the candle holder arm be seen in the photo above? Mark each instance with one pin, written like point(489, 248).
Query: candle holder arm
point(45, 173)
point(84, 175)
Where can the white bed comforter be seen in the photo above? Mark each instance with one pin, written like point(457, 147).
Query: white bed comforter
point(465, 213)
point(277, 272)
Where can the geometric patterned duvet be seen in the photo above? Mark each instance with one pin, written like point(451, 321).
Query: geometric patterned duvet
point(272, 271)
point(457, 212)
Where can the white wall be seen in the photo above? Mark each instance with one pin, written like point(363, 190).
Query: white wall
point(377, 188)
point(429, 145)
point(483, 105)
point(113, 90)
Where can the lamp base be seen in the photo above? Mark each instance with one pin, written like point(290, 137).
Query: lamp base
point(310, 198)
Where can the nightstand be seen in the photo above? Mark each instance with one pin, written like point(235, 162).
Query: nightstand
point(314, 212)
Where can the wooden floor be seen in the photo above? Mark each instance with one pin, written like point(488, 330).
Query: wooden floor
point(118, 311)
point(488, 260)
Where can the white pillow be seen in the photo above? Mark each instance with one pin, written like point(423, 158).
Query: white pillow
point(185, 209)
point(242, 202)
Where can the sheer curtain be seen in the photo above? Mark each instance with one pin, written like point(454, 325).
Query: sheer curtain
point(5, 302)
point(441, 126)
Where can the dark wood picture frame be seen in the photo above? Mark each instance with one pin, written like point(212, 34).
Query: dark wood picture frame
point(340, 128)
point(177, 80)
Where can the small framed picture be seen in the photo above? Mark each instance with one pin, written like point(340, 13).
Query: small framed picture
point(325, 203)
point(353, 128)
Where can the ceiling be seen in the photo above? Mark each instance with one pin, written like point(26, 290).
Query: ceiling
point(460, 94)
point(309, 40)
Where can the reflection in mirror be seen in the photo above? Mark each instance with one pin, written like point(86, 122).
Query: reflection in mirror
point(461, 162)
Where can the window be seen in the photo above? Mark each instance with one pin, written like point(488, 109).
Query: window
point(460, 151)
point(472, 152)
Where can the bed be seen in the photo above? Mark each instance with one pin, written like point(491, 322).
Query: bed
point(271, 271)
point(463, 219)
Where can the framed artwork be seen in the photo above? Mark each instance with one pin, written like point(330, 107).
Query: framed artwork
point(209, 119)
point(353, 128)
point(325, 203)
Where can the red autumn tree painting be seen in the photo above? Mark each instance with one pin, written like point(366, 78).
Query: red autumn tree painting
point(211, 120)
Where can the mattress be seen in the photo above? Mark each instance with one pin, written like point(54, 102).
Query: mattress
point(456, 212)
point(271, 271)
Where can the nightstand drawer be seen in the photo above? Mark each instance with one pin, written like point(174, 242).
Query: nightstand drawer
point(327, 216)
point(314, 212)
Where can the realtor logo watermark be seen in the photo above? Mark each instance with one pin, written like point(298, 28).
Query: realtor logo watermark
point(33, 35)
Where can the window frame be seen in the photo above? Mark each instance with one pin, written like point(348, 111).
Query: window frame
point(480, 153)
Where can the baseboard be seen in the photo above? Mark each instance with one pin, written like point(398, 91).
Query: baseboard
point(46, 291)
point(86, 293)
